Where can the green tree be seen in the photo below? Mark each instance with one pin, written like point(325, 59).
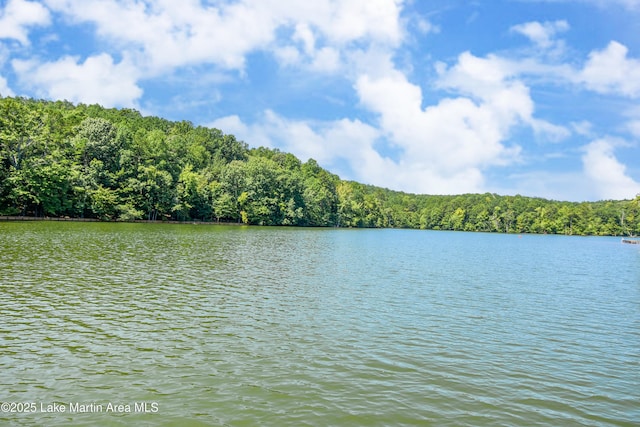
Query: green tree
point(104, 203)
point(97, 139)
point(155, 187)
point(21, 130)
point(57, 158)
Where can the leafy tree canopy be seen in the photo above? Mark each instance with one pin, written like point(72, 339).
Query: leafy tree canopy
point(60, 159)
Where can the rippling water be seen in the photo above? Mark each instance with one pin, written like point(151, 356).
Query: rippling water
point(238, 326)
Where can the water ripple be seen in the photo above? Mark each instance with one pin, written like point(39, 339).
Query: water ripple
point(278, 326)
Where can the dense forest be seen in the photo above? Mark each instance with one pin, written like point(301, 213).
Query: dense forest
point(58, 159)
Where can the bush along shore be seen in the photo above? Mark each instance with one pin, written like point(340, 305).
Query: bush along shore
point(86, 162)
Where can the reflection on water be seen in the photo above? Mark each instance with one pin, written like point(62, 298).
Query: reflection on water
point(280, 326)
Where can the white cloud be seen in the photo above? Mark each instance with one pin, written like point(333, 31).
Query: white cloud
point(426, 27)
point(474, 76)
point(304, 34)
point(443, 146)
point(447, 146)
point(329, 33)
point(288, 55)
point(566, 185)
point(18, 15)
point(96, 80)
point(549, 131)
point(5, 90)
point(609, 71)
point(584, 128)
point(440, 148)
point(331, 143)
point(542, 34)
point(606, 172)
point(169, 34)
point(351, 20)
point(254, 134)
point(326, 60)
point(346, 147)
point(493, 81)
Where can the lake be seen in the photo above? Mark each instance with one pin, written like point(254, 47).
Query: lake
point(194, 325)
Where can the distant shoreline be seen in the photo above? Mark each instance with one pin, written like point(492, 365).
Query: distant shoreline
point(10, 218)
point(144, 221)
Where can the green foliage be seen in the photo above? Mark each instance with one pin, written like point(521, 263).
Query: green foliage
point(60, 159)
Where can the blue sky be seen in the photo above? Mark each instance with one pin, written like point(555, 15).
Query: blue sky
point(531, 97)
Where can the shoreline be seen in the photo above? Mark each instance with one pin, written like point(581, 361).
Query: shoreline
point(143, 221)
point(14, 218)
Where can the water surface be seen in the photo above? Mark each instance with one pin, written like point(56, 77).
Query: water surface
point(217, 325)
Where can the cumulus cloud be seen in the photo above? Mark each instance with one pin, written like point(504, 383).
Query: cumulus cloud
point(494, 83)
point(443, 146)
point(541, 33)
point(610, 71)
point(475, 76)
point(332, 143)
point(446, 147)
point(173, 34)
point(18, 15)
point(607, 174)
point(328, 34)
point(96, 80)
point(607, 71)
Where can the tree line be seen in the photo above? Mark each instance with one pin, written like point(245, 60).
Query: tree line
point(86, 161)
